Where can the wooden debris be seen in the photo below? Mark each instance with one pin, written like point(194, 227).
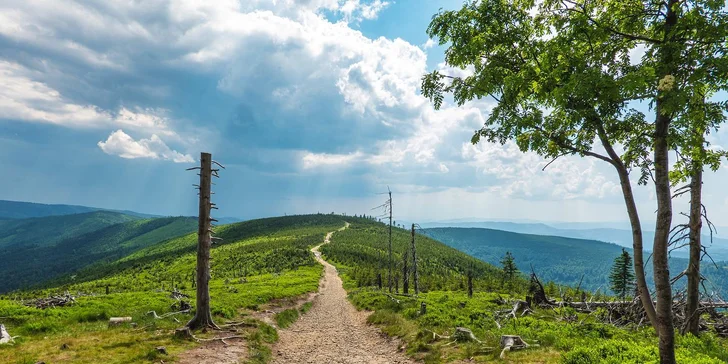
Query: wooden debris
point(161, 349)
point(53, 301)
point(5, 337)
point(168, 314)
point(118, 320)
point(511, 342)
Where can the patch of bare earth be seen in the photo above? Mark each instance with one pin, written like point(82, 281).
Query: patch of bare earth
point(333, 331)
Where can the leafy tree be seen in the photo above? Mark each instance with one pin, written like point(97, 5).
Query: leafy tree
point(621, 279)
point(563, 78)
point(508, 264)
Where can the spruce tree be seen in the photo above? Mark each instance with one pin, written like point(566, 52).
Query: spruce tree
point(622, 278)
point(509, 267)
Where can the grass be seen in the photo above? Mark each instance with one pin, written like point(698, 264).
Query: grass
point(249, 271)
point(286, 317)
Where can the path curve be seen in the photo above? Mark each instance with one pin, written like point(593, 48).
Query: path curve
point(333, 331)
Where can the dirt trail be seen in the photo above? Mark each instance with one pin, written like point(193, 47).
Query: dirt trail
point(333, 331)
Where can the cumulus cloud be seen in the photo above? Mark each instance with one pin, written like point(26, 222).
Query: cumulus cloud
point(275, 76)
point(124, 146)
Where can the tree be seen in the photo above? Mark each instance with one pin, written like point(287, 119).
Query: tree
point(562, 77)
point(508, 264)
point(621, 279)
point(203, 316)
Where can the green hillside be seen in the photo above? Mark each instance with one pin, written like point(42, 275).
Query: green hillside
point(361, 252)
point(563, 334)
point(58, 251)
point(24, 210)
point(46, 231)
point(559, 259)
point(259, 260)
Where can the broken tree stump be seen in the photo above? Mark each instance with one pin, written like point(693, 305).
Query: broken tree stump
point(184, 334)
point(511, 342)
point(5, 337)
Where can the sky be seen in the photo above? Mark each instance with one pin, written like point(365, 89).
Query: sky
point(312, 105)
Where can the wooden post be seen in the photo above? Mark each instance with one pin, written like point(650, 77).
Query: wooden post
point(203, 316)
point(414, 263)
point(390, 242)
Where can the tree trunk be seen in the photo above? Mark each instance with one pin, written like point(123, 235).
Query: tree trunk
point(667, 54)
point(414, 263)
point(693, 272)
point(663, 288)
point(203, 317)
point(389, 278)
point(405, 273)
point(470, 284)
point(637, 246)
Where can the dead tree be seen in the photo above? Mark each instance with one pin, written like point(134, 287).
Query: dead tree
point(389, 202)
point(470, 283)
point(203, 315)
point(414, 263)
point(405, 273)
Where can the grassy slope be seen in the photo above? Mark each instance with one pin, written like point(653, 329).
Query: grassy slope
point(32, 264)
point(564, 335)
point(259, 261)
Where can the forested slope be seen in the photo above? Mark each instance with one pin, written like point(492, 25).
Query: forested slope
point(62, 249)
point(559, 259)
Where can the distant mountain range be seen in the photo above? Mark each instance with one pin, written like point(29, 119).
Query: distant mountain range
point(718, 249)
point(560, 259)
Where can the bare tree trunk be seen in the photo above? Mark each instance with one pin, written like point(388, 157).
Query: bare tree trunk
point(693, 272)
point(389, 279)
point(405, 273)
point(414, 263)
point(203, 316)
point(470, 284)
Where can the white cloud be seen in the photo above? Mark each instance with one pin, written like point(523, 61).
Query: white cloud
point(313, 160)
point(124, 146)
point(429, 44)
point(523, 175)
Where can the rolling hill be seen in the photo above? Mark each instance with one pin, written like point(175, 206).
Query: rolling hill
point(717, 247)
point(24, 210)
point(37, 249)
point(559, 259)
point(49, 230)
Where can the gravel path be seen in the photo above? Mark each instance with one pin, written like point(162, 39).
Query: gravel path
point(333, 331)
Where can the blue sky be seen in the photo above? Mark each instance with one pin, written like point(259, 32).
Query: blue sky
point(313, 105)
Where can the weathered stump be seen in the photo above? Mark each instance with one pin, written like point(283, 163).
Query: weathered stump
point(511, 342)
point(5, 337)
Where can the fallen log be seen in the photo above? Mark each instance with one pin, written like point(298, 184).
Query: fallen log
point(118, 320)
